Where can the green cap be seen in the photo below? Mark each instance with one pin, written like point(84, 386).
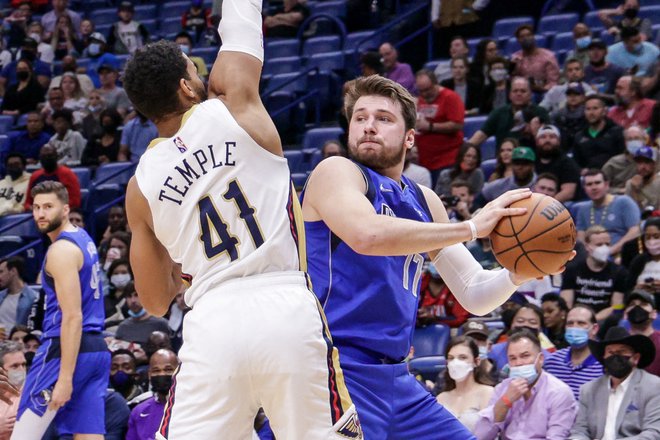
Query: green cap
point(523, 153)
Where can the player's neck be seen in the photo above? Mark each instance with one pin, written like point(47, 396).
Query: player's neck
point(169, 125)
point(66, 227)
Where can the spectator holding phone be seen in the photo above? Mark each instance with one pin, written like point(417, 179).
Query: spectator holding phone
point(645, 268)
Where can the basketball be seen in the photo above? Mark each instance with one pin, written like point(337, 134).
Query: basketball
point(538, 242)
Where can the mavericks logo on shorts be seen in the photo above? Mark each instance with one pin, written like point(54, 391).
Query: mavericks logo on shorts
point(351, 428)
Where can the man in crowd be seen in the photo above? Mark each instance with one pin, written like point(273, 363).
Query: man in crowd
point(555, 98)
point(115, 97)
point(49, 20)
point(127, 35)
point(546, 183)
point(633, 108)
point(440, 124)
point(601, 139)
point(644, 187)
point(522, 165)
point(14, 186)
point(582, 39)
point(145, 417)
point(463, 197)
point(619, 215)
point(632, 54)
point(529, 394)
point(396, 71)
point(601, 75)
point(624, 403)
point(621, 167)
point(135, 138)
point(16, 297)
point(640, 312)
point(28, 142)
point(575, 365)
point(12, 360)
point(595, 281)
point(570, 119)
point(552, 160)
point(511, 119)
point(123, 374)
point(534, 62)
point(458, 48)
point(51, 170)
point(140, 324)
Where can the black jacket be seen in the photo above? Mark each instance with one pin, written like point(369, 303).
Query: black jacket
point(591, 152)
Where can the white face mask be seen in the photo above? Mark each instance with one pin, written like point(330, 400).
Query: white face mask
point(601, 253)
point(36, 37)
point(633, 145)
point(653, 246)
point(16, 377)
point(459, 370)
point(120, 280)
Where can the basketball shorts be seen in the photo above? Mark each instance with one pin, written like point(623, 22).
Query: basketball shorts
point(259, 341)
point(393, 405)
point(84, 413)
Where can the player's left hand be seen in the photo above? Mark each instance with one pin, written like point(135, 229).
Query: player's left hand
point(61, 394)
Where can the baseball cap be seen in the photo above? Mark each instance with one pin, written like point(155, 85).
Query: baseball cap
point(646, 152)
point(548, 129)
point(126, 6)
point(523, 153)
point(475, 328)
point(106, 66)
point(575, 87)
point(642, 296)
point(98, 37)
point(597, 43)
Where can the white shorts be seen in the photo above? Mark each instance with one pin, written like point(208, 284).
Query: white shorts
point(254, 342)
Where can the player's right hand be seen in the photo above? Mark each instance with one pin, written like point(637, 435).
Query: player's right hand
point(488, 217)
point(517, 388)
point(7, 390)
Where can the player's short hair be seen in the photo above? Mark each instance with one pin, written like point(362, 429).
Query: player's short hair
point(379, 86)
point(51, 187)
point(8, 347)
point(594, 230)
point(16, 262)
point(524, 333)
point(151, 79)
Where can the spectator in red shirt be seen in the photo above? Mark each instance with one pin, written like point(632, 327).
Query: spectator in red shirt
point(632, 108)
point(437, 304)
point(51, 170)
point(440, 116)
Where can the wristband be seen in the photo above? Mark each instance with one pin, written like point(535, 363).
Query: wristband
point(473, 229)
point(505, 400)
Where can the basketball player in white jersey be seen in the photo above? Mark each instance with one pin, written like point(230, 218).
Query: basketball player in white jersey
point(212, 203)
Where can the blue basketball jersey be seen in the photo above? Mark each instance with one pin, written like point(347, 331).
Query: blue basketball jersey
point(370, 302)
point(90, 286)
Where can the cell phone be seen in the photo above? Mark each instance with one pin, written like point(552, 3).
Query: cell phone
point(450, 201)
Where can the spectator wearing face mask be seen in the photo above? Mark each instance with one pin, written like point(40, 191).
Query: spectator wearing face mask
point(119, 275)
point(104, 148)
point(140, 323)
point(51, 170)
point(621, 167)
point(123, 374)
point(13, 361)
point(640, 313)
point(528, 394)
point(146, 417)
point(185, 42)
point(98, 56)
point(40, 70)
point(644, 187)
point(25, 95)
point(14, 186)
point(633, 54)
point(534, 62)
point(627, 14)
point(468, 389)
point(582, 39)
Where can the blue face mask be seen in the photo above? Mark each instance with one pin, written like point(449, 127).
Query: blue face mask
point(185, 48)
point(94, 49)
point(483, 352)
point(139, 314)
point(527, 372)
point(577, 337)
point(583, 42)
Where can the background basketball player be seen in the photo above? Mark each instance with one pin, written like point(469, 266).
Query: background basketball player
point(212, 201)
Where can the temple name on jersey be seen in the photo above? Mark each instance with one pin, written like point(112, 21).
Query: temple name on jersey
point(194, 166)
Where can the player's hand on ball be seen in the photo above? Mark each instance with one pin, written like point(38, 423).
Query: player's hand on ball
point(61, 394)
point(488, 217)
point(517, 388)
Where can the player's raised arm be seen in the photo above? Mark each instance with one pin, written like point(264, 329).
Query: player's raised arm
point(236, 72)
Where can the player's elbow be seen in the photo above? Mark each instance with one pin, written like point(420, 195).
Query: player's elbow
point(365, 242)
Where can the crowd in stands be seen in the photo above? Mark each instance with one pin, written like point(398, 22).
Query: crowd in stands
point(582, 126)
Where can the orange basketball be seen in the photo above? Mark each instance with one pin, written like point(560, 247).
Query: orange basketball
point(538, 242)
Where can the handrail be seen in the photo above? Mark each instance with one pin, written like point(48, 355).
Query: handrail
point(13, 225)
point(269, 91)
point(110, 176)
point(549, 3)
point(428, 29)
point(24, 248)
point(317, 106)
point(315, 17)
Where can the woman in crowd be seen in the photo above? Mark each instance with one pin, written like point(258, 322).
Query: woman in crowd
point(104, 148)
point(645, 268)
point(26, 94)
point(466, 168)
point(467, 388)
point(486, 52)
point(468, 89)
point(74, 97)
point(91, 123)
point(63, 40)
point(119, 274)
point(496, 94)
point(503, 167)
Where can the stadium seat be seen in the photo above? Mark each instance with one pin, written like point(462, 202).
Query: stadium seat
point(21, 122)
point(429, 367)
point(316, 45)
point(145, 12)
point(332, 61)
point(84, 198)
point(335, 8)
point(472, 124)
point(295, 159)
point(652, 12)
point(18, 224)
point(591, 19)
point(84, 175)
point(276, 66)
point(208, 54)
point(6, 123)
point(433, 64)
point(299, 179)
point(563, 41)
point(151, 25)
point(116, 172)
point(104, 194)
point(170, 25)
point(472, 46)
point(431, 340)
point(316, 137)
point(488, 148)
point(512, 44)
point(554, 24)
point(506, 27)
point(607, 37)
point(362, 41)
point(174, 9)
point(9, 244)
point(289, 82)
point(31, 249)
point(282, 48)
point(104, 16)
point(487, 167)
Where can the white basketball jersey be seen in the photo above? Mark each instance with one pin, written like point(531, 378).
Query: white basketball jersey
point(223, 206)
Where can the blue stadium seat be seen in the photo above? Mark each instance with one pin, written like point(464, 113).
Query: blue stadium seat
point(116, 172)
point(472, 46)
point(174, 9)
point(276, 66)
point(145, 12)
point(591, 19)
point(104, 16)
point(289, 121)
point(607, 37)
point(171, 25)
point(11, 245)
point(316, 45)
point(282, 48)
point(295, 159)
point(431, 340)
point(297, 84)
point(651, 12)
point(487, 167)
point(21, 122)
point(432, 65)
point(488, 148)
point(312, 157)
point(506, 27)
point(84, 175)
point(362, 41)
point(151, 25)
point(18, 224)
point(553, 24)
point(472, 124)
point(84, 198)
point(563, 41)
point(429, 367)
point(335, 8)
point(299, 179)
point(105, 193)
point(512, 44)
point(6, 123)
point(333, 61)
point(208, 54)
point(316, 137)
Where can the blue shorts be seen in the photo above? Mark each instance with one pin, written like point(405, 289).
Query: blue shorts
point(85, 412)
point(392, 405)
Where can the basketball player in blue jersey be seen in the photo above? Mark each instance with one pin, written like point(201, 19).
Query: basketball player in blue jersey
point(69, 375)
point(366, 227)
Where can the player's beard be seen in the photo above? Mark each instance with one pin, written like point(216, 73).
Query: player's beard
point(52, 225)
point(201, 92)
point(377, 160)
